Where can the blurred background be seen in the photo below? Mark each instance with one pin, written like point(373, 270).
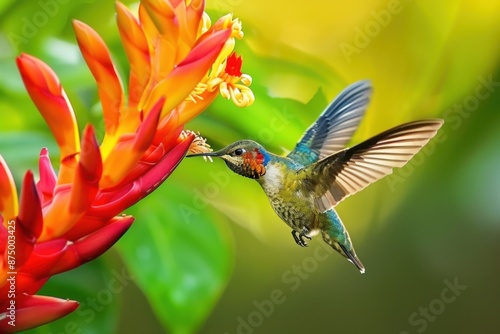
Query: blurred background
point(208, 255)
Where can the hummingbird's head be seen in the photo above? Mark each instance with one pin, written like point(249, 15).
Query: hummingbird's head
point(244, 157)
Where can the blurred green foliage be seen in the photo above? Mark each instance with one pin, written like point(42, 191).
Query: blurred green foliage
point(432, 223)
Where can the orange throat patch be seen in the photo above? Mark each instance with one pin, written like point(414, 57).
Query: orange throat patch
point(253, 164)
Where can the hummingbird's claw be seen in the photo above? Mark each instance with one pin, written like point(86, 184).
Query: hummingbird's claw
point(299, 239)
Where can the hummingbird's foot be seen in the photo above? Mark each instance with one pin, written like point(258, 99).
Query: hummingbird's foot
point(299, 239)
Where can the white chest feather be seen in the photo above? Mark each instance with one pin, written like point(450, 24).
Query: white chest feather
point(273, 179)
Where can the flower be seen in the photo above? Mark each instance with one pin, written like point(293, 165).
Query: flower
point(228, 82)
point(71, 217)
point(225, 75)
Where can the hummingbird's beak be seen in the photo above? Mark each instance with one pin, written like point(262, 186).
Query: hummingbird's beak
point(205, 154)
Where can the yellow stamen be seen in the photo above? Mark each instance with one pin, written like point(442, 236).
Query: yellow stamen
point(231, 87)
point(199, 144)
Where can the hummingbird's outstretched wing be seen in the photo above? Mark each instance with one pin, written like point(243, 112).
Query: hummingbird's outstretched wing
point(335, 126)
point(351, 170)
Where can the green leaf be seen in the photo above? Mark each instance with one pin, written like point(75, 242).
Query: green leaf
point(180, 255)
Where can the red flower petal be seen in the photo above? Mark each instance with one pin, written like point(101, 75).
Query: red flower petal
point(87, 174)
point(233, 65)
point(46, 92)
point(117, 200)
point(29, 223)
point(34, 311)
point(92, 245)
point(48, 178)
point(44, 257)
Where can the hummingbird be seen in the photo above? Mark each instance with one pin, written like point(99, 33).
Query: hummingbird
point(305, 186)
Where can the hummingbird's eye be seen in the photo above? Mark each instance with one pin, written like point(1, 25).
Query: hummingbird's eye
point(239, 151)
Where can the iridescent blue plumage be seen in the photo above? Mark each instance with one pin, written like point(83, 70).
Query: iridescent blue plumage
point(335, 126)
point(305, 186)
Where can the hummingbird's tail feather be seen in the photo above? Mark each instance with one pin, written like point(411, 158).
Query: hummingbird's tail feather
point(350, 255)
point(344, 251)
point(335, 234)
point(353, 258)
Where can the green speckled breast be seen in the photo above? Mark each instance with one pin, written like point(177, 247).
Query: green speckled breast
point(289, 204)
